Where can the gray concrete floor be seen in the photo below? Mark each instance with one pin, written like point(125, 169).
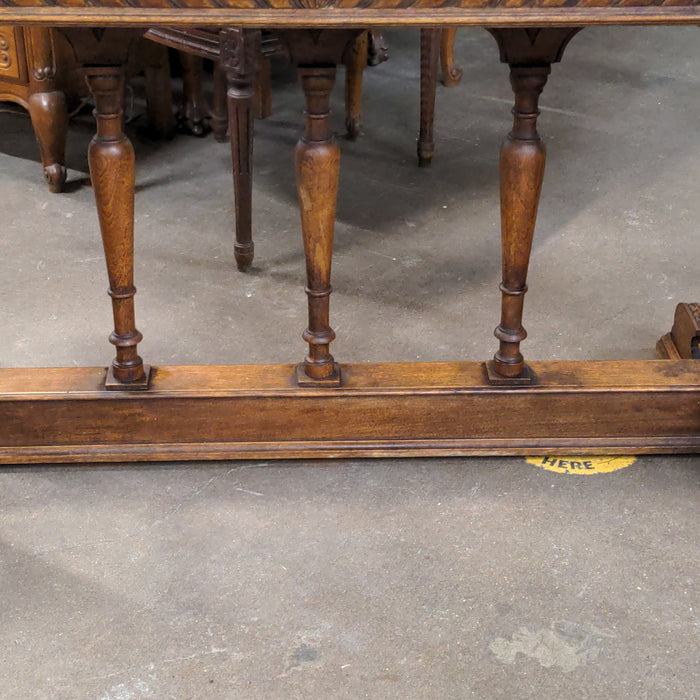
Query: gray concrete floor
point(444, 578)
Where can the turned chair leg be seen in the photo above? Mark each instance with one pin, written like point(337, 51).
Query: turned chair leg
point(111, 160)
point(219, 110)
point(194, 112)
point(429, 54)
point(159, 90)
point(239, 51)
point(47, 107)
point(355, 60)
point(451, 73)
point(262, 93)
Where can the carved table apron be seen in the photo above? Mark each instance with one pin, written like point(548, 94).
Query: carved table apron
point(321, 407)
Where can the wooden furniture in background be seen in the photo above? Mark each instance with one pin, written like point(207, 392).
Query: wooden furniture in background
point(450, 73)
point(242, 89)
point(323, 407)
point(28, 78)
point(683, 342)
point(39, 72)
point(242, 76)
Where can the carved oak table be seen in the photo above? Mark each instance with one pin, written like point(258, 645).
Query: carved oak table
point(324, 408)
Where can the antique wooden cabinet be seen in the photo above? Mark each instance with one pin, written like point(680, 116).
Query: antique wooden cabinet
point(39, 72)
point(28, 77)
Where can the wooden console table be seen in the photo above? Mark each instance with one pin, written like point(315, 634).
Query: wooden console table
point(324, 408)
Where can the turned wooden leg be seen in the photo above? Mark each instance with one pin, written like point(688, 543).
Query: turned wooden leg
point(239, 50)
point(317, 156)
point(111, 160)
point(159, 90)
point(194, 110)
point(451, 73)
point(317, 169)
point(47, 107)
point(522, 170)
point(355, 60)
point(530, 54)
point(429, 53)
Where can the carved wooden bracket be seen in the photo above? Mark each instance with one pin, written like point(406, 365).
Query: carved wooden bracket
point(101, 47)
point(533, 46)
point(317, 46)
point(240, 53)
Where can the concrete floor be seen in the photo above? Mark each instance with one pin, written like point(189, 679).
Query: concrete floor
point(444, 578)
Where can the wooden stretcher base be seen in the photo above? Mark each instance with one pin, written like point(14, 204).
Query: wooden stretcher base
point(394, 409)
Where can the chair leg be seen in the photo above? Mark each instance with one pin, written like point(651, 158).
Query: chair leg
point(194, 110)
point(377, 50)
point(429, 53)
point(355, 60)
point(451, 74)
point(239, 51)
point(219, 110)
point(159, 90)
point(262, 95)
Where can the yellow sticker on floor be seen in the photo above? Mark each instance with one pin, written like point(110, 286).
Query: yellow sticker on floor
point(582, 465)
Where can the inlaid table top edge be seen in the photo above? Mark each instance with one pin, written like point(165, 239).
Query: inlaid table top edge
point(349, 17)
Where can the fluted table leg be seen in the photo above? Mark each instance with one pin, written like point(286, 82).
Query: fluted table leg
point(239, 53)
